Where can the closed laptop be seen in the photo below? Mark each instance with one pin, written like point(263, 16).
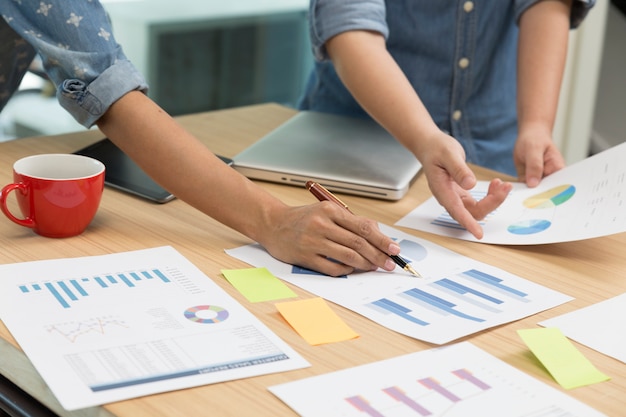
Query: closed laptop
point(344, 154)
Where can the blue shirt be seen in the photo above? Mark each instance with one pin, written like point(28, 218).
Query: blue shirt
point(78, 50)
point(459, 55)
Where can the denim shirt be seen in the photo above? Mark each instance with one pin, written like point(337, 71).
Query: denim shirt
point(459, 55)
point(78, 51)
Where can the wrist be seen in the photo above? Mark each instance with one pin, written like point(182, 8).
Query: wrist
point(534, 129)
point(267, 220)
point(433, 143)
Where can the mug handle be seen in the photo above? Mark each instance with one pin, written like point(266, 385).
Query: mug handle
point(27, 222)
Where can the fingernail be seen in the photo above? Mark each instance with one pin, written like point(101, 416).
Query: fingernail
point(394, 249)
point(389, 265)
point(467, 183)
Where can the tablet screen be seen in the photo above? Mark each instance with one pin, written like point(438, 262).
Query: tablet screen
point(123, 173)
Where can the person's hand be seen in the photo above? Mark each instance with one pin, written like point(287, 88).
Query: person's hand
point(536, 156)
point(450, 179)
point(329, 239)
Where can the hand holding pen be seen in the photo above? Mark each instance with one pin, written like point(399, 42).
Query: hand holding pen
point(322, 194)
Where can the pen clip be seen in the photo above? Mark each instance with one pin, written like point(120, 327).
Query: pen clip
point(322, 194)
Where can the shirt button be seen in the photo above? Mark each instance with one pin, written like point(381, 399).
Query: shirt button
point(463, 63)
point(456, 115)
point(468, 6)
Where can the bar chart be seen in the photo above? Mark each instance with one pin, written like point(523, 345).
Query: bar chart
point(71, 290)
point(425, 397)
point(459, 380)
point(434, 311)
point(445, 220)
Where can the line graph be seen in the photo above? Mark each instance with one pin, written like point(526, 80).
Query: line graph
point(72, 330)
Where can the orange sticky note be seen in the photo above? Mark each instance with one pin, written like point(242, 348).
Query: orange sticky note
point(315, 321)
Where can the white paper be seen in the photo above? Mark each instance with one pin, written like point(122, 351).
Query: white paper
point(458, 295)
point(453, 381)
point(107, 328)
point(582, 201)
point(599, 326)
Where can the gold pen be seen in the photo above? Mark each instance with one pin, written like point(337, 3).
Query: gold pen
point(322, 194)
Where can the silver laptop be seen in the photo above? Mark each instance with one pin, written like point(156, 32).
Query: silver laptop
point(344, 154)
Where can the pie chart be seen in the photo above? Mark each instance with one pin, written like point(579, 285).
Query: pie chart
point(412, 250)
point(206, 314)
point(551, 198)
point(529, 227)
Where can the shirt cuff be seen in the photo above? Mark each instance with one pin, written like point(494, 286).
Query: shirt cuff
point(580, 8)
point(88, 102)
point(330, 18)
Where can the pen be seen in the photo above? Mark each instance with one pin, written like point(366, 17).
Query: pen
point(322, 194)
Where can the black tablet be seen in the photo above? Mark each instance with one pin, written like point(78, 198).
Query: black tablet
point(123, 173)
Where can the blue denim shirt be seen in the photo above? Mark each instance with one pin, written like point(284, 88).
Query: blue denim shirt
point(459, 55)
point(78, 50)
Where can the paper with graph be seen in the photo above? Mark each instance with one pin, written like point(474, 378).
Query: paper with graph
point(454, 381)
point(106, 328)
point(458, 295)
point(582, 201)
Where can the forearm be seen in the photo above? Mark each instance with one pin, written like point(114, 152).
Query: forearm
point(543, 37)
point(381, 88)
point(184, 166)
point(376, 81)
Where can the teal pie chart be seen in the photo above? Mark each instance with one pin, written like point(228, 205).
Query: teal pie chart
point(551, 198)
point(529, 227)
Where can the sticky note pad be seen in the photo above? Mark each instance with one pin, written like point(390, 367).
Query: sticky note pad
point(258, 284)
point(315, 321)
point(566, 364)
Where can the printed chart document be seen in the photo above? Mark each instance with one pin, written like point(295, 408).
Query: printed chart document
point(453, 381)
point(582, 201)
point(458, 295)
point(106, 328)
point(599, 326)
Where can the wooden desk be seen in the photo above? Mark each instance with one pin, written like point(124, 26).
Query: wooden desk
point(590, 271)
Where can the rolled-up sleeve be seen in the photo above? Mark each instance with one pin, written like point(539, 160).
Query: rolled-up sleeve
point(580, 8)
point(88, 101)
point(329, 18)
point(79, 53)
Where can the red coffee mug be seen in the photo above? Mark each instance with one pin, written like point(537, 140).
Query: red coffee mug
point(58, 194)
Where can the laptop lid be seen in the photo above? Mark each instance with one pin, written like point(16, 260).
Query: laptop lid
point(344, 154)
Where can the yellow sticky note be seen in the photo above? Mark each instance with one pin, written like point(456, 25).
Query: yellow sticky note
point(258, 284)
point(566, 364)
point(315, 321)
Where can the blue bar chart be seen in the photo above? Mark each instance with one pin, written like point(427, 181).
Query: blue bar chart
point(71, 290)
point(445, 220)
point(471, 290)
